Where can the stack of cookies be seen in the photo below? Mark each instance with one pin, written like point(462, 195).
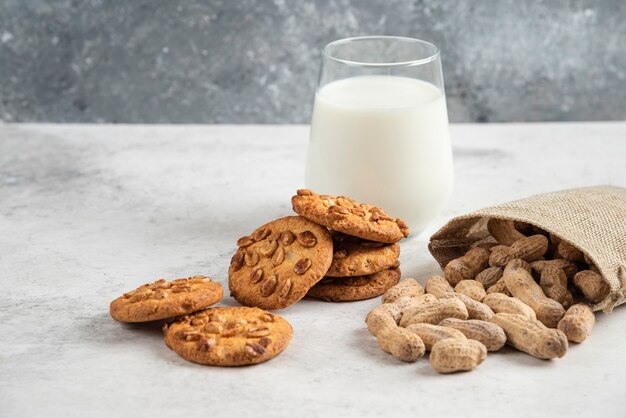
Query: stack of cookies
point(360, 270)
point(336, 250)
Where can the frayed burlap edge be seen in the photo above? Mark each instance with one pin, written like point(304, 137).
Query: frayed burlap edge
point(593, 219)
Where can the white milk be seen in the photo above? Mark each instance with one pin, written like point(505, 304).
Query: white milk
point(382, 140)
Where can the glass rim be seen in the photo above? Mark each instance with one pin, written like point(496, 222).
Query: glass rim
point(419, 61)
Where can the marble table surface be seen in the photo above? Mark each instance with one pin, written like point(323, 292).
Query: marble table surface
point(88, 212)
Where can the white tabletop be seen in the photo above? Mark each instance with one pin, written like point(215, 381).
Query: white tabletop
point(89, 212)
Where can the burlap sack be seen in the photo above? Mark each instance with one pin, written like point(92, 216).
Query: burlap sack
point(593, 219)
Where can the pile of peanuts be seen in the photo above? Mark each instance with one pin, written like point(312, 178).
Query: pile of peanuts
point(519, 286)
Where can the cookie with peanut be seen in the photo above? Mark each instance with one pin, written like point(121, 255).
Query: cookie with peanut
point(346, 215)
point(228, 336)
point(357, 257)
point(276, 265)
point(348, 289)
point(166, 299)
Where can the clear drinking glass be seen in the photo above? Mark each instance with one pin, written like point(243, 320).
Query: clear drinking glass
point(379, 131)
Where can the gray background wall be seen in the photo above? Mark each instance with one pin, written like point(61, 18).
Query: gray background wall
point(257, 61)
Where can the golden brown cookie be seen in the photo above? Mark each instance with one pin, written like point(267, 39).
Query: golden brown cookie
point(357, 257)
point(346, 289)
point(163, 299)
point(228, 336)
point(345, 215)
point(278, 263)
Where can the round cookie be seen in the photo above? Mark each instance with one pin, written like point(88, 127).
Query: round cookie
point(228, 336)
point(350, 217)
point(162, 299)
point(347, 289)
point(278, 263)
point(356, 257)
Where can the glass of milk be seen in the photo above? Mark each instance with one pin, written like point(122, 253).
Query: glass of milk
point(379, 131)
